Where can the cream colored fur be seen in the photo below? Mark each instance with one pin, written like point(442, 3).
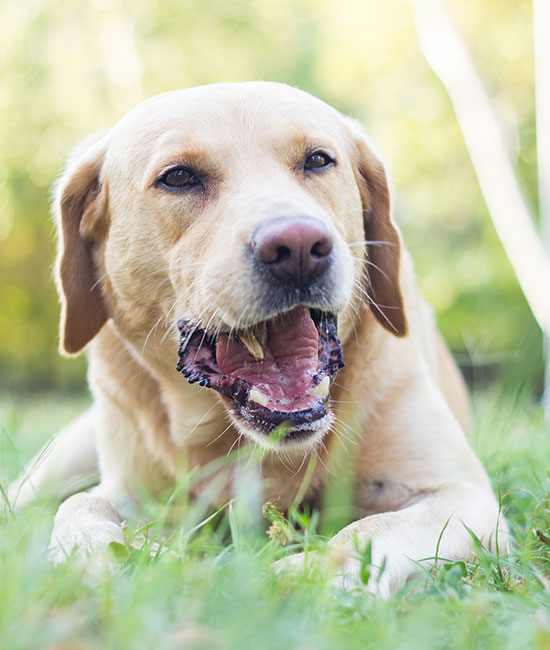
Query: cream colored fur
point(133, 258)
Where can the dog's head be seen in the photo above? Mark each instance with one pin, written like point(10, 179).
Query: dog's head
point(250, 220)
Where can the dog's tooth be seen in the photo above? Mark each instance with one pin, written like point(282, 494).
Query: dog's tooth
point(321, 390)
point(252, 344)
point(258, 397)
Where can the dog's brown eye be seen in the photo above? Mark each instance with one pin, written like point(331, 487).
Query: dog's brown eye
point(318, 160)
point(179, 177)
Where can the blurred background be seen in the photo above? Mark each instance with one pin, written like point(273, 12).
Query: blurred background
point(70, 67)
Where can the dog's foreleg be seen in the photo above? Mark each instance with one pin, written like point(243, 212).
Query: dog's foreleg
point(435, 527)
point(65, 466)
point(418, 446)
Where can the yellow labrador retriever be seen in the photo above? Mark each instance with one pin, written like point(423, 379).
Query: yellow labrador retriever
point(244, 232)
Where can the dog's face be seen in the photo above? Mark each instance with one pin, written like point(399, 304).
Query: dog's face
point(235, 215)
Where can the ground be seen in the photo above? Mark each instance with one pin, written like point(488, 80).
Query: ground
point(209, 583)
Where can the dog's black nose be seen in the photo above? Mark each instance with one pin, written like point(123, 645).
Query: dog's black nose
point(294, 249)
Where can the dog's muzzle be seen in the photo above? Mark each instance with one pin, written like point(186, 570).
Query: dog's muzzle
point(279, 371)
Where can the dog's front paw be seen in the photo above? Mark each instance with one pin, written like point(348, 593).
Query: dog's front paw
point(296, 563)
point(380, 576)
point(330, 562)
point(84, 527)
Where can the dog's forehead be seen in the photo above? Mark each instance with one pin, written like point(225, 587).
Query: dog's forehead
point(222, 115)
point(229, 103)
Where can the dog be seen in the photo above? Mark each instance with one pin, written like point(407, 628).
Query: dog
point(244, 232)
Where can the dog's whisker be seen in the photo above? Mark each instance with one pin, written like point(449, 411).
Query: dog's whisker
point(220, 435)
point(169, 312)
point(149, 334)
point(323, 446)
point(375, 266)
point(235, 442)
point(98, 281)
point(192, 331)
point(200, 421)
point(335, 383)
point(204, 335)
point(342, 443)
point(188, 338)
point(306, 454)
point(342, 437)
point(356, 309)
point(281, 459)
point(371, 242)
point(321, 461)
point(347, 426)
point(378, 307)
point(256, 451)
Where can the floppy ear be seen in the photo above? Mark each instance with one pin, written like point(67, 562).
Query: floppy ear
point(81, 212)
point(383, 241)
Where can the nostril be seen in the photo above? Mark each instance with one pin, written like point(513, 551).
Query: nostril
point(282, 254)
point(321, 248)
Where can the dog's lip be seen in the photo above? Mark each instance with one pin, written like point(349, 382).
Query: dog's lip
point(290, 383)
point(271, 425)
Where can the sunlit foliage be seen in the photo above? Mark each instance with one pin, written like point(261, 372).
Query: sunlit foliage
point(67, 68)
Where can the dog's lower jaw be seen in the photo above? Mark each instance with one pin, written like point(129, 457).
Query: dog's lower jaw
point(300, 438)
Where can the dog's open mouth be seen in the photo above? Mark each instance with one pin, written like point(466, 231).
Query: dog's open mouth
point(278, 371)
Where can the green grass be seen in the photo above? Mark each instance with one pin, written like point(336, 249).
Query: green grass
point(209, 584)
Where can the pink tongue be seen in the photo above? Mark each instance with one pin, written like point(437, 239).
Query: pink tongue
point(290, 346)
